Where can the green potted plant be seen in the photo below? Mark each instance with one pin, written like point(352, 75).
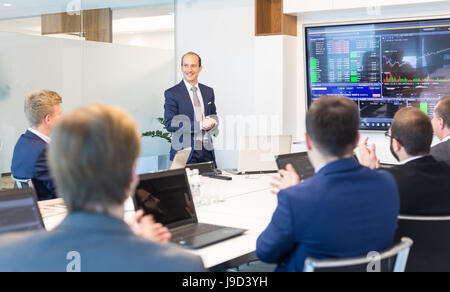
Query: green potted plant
point(158, 133)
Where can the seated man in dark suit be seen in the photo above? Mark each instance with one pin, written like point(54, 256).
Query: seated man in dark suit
point(93, 157)
point(441, 127)
point(344, 210)
point(42, 109)
point(423, 182)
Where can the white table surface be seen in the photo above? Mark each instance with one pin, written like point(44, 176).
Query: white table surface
point(249, 205)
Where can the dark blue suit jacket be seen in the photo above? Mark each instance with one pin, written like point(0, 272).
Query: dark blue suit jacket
point(105, 244)
point(178, 103)
point(345, 210)
point(30, 162)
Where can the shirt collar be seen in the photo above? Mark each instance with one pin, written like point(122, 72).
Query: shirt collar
point(446, 139)
point(40, 135)
point(189, 86)
point(411, 159)
point(320, 168)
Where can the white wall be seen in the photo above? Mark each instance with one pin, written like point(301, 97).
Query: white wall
point(133, 78)
point(252, 76)
point(222, 33)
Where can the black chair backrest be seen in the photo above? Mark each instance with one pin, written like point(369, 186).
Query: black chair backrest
point(431, 236)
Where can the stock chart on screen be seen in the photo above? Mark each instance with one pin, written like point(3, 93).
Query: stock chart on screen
point(382, 67)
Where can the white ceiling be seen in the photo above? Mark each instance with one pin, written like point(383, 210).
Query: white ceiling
point(29, 8)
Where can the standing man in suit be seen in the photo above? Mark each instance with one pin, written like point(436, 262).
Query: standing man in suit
point(43, 110)
point(93, 157)
point(423, 182)
point(441, 127)
point(344, 210)
point(190, 113)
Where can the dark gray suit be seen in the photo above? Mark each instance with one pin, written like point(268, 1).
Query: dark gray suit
point(105, 244)
point(441, 152)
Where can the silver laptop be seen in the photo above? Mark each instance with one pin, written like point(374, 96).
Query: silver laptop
point(257, 153)
point(181, 159)
point(19, 211)
point(167, 197)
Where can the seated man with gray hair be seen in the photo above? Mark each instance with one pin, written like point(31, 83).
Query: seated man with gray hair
point(42, 109)
point(441, 127)
point(93, 158)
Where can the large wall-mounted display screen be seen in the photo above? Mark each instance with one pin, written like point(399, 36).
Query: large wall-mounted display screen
point(383, 67)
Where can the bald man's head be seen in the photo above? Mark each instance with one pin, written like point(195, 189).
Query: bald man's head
point(412, 129)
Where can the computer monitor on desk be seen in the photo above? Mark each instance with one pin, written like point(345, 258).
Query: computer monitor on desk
point(19, 211)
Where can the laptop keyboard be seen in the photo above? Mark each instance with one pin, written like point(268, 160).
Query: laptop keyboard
point(192, 231)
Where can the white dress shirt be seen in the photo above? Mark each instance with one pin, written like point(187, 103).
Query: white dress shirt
point(445, 139)
point(40, 135)
point(199, 94)
point(411, 159)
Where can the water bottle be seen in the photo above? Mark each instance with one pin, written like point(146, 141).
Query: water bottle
point(194, 181)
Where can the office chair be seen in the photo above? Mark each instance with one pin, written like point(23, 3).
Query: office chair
point(364, 264)
point(431, 235)
point(22, 183)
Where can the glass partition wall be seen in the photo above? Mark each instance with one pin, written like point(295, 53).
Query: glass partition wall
point(118, 52)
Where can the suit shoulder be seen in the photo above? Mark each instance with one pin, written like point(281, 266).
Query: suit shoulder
point(170, 256)
point(206, 86)
point(30, 143)
point(441, 147)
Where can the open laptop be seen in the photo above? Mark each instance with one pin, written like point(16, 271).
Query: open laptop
point(299, 161)
point(181, 158)
point(167, 197)
point(256, 153)
point(204, 167)
point(19, 211)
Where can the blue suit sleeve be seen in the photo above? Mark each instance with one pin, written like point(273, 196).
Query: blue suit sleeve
point(42, 172)
point(213, 115)
point(278, 240)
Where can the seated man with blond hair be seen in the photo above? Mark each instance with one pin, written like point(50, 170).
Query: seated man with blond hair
point(93, 160)
point(43, 110)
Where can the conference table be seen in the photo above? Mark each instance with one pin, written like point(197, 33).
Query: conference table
point(246, 202)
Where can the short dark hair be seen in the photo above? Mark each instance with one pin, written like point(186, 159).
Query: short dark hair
point(333, 125)
point(192, 53)
point(443, 110)
point(413, 130)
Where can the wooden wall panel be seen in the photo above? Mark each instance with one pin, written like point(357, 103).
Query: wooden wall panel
point(270, 19)
point(97, 24)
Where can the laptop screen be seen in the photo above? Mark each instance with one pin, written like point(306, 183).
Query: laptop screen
point(300, 161)
point(19, 211)
point(167, 197)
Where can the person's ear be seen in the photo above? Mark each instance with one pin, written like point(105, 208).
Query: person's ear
point(358, 138)
point(48, 119)
point(134, 177)
point(308, 142)
point(441, 123)
point(396, 145)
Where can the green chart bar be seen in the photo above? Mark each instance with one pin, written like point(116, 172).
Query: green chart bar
point(313, 63)
point(424, 107)
point(314, 77)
